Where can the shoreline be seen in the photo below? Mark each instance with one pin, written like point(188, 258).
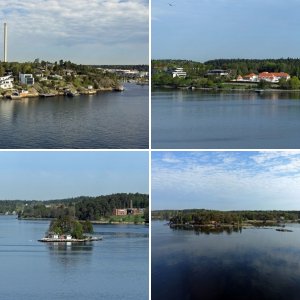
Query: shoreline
point(93, 222)
point(252, 90)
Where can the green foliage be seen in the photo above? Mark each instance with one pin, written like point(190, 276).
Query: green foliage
point(264, 84)
point(69, 225)
point(294, 83)
point(102, 206)
point(197, 77)
point(84, 208)
point(87, 226)
point(202, 217)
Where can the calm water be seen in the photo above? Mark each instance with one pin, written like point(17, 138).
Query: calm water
point(254, 264)
point(194, 119)
point(114, 268)
point(106, 120)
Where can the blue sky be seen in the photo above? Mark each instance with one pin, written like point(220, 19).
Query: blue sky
point(86, 32)
point(226, 180)
point(55, 175)
point(207, 29)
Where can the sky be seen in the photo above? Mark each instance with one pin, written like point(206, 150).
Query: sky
point(47, 175)
point(226, 180)
point(84, 32)
point(201, 30)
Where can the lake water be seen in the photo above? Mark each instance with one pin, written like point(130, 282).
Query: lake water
point(107, 120)
point(205, 120)
point(114, 268)
point(251, 264)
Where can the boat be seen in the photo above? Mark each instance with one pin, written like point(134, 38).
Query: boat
point(283, 230)
point(47, 95)
point(119, 88)
point(14, 96)
point(259, 91)
point(71, 94)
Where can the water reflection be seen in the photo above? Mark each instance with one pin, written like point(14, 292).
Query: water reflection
point(209, 230)
point(252, 264)
point(68, 255)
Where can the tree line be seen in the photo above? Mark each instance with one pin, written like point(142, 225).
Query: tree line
point(203, 217)
point(197, 71)
point(83, 207)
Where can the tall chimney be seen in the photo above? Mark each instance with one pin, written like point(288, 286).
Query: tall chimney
point(131, 204)
point(5, 42)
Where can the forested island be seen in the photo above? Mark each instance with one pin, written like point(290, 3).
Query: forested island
point(65, 78)
point(98, 209)
point(218, 221)
point(227, 74)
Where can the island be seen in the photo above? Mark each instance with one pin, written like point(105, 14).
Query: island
point(214, 221)
point(68, 229)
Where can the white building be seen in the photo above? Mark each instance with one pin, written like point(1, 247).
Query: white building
point(217, 72)
point(6, 82)
point(178, 72)
point(26, 79)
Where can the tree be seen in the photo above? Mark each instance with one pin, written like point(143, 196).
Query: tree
point(294, 83)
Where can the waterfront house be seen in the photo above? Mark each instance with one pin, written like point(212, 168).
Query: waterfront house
point(26, 79)
point(128, 211)
point(6, 82)
point(273, 76)
point(120, 211)
point(178, 72)
point(251, 77)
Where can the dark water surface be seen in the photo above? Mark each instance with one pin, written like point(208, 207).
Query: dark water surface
point(114, 268)
point(106, 120)
point(251, 264)
point(184, 119)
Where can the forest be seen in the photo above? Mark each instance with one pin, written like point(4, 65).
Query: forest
point(204, 217)
point(83, 208)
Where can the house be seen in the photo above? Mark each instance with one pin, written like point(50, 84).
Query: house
point(26, 79)
point(178, 72)
point(120, 211)
point(128, 211)
point(273, 76)
point(56, 76)
point(6, 82)
point(217, 72)
point(251, 77)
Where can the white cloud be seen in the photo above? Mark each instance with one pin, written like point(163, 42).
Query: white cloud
point(228, 181)
point(77, 22)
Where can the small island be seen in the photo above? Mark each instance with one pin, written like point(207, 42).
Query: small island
point(68, 229)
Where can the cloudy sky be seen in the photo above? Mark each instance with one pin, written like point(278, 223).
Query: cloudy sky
point(226, 180)
point(209, 29)
point(54, 175)
point(86, 32)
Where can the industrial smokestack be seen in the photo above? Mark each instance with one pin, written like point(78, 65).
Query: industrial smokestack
point(5, 42)
point(131, 204)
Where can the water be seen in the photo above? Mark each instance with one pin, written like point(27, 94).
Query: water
point(114, 268)
point(106, 120)
point(252, 264)
point(201, 120)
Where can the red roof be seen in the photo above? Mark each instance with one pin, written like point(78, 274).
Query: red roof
point(273, 74)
